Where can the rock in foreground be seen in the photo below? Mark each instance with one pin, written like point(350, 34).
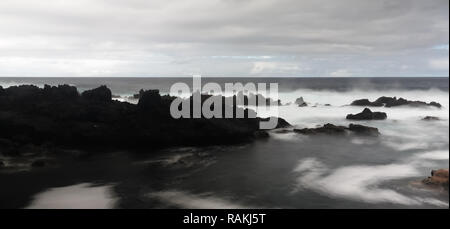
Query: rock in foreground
point(60, 116)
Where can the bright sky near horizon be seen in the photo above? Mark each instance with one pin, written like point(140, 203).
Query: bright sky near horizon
point(315, 38)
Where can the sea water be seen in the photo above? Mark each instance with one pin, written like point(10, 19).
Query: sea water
point(288, 170)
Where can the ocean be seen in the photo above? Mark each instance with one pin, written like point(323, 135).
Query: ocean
point(288, 170)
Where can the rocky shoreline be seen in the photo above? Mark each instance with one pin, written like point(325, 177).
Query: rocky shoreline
point(61, 117)
point(54, 120)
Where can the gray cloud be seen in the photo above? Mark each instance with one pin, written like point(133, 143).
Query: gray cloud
point(146, 38)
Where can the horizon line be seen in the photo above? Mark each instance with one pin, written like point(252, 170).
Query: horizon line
point(215, 76)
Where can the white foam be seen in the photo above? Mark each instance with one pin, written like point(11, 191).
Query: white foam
point(79, 196)
point(188, 200)
point(359, 182)
point(310, 115)
point(434, 155)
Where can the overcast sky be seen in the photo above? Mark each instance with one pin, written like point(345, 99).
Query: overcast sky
point(316, 38)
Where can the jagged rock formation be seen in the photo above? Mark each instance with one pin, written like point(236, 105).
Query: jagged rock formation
point(59, 115)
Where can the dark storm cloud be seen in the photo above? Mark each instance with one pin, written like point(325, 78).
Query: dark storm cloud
point(256, 37)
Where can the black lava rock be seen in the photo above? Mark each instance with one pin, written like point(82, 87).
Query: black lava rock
point(367, 114)
point(330, 129)
point(100, 94)
point(61, 117)
point(392, 102)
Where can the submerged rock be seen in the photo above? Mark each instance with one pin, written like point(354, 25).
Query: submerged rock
point(325, 129)
point(330, 129)
point(431, 118)
point(367, 114)
point(439, 178)
point(392, 102)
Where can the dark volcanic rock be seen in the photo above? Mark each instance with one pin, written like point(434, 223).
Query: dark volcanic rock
point(281, 123)
point(100, 94)
point(61, 117)
point(325, 129)
point(364, 130)
point(300, 102)
point(392, 102)
point(439, 178)
point(23, 96)
point(365, 102)
point(149, 99)
point(330, 129)
point(435, 104)
point(367, 114)
point(431, 118)
point(61, 92)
